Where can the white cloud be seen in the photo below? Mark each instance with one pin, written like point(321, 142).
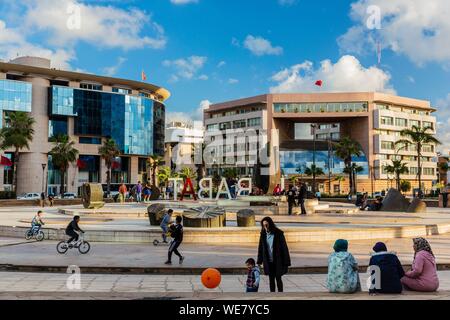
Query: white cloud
point(189, 117)
point(221, 64)
point(233, 81)
point(287, 2)
point(111, 71)
point(100, 25)
point(183, 1)
point(13, 43)
point(203, 77)
point(443, 124)
point(186, 68)
point(345, 75)
point(415, 28)
point(260, 46)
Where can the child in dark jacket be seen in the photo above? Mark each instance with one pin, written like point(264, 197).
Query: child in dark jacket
point(253, 276)
point(390, 271)
point(176, 232)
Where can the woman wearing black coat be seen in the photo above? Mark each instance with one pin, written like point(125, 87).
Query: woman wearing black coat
point(273, 253)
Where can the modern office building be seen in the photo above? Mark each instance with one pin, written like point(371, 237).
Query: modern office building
point(181, 139)
point(88, 108)
point(307, 126)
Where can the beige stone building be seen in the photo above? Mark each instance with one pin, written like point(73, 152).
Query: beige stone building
point(372, 119)
point(88, 108)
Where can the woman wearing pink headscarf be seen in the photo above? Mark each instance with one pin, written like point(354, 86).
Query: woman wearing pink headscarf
point(423, 276)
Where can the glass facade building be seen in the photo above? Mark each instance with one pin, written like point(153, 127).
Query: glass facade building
point(136, 123)
point(14, 96)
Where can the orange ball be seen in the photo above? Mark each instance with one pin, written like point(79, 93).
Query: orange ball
point(211, 278)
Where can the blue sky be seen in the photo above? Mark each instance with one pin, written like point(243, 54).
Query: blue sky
point(216, 50)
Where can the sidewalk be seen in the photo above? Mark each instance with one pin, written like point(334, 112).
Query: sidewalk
point(310, 286)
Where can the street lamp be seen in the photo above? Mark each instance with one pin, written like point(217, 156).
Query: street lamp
point(44, 165)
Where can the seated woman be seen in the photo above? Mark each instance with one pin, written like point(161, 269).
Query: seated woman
point(423, 276)
point(391, 270)
point(342, 270)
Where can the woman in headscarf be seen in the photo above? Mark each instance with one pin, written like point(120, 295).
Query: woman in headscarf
point(273, 253)
point(386, 270)
point(423, 275)
point(342, 270)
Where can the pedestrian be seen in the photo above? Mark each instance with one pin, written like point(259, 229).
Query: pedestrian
point(147, 192)
point(343, 274)
point(176, 232)
point(42, 200)
point(273, 253)
point(277, 190)
point(390, 270)
point(318, 195)
point(423, 275)
point(253, 276)
point(302, 196)
point(291, 199)
point(122, 192)
point(165, 221)
point(138, 192)
point(50, 199)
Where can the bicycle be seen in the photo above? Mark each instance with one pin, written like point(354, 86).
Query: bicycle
point(82, 245)
point(35, 232)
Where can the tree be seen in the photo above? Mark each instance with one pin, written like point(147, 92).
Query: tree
point(230, 173)
point(17, 134)
point(418, 137)
point(339, 179)
point(164, 173)
point(443, 169)
point(405, 186)
point(397, 169)
point(109, 151)
point(346, 149)
point(187, 172)
point(353, 171)
point(63, 154)
point(154, 162)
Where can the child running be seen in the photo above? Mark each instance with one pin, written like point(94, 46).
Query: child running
point(176, 231)
point(253, 276)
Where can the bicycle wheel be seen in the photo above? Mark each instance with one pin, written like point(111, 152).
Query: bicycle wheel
point(62, 247)
point(84, 247)
point(40, 235)
point(28, 234)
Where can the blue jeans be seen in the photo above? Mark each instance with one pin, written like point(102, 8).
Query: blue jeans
point(252, 289)
point(164, 233)
point(138, 197)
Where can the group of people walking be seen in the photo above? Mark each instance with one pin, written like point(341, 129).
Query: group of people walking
point(387, 273)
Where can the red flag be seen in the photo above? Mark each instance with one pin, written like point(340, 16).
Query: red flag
point(4, 161)
point(81, 164)
point(319, 83)
point(143, 76)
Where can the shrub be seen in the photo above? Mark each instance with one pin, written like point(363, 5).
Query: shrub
point(7, 195)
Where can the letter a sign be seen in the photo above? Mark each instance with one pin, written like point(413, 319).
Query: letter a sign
point(188, 183)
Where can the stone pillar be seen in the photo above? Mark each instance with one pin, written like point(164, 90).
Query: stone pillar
point(72, 179)
point(29, 170)
point(2, 171)
point(134, 169)
point(103, 171)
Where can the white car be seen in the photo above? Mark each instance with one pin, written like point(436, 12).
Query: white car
point(29, 196)
point(69, 195)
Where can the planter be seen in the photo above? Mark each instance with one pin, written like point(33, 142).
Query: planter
point(92, 196)
point(204, 217)
point(245, 218)
point(155, 213)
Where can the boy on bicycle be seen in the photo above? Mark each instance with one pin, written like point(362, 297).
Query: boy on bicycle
point(71, 230)
point(165, 224)
point(37, 222)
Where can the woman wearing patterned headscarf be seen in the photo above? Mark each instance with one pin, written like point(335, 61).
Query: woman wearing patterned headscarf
point(342, 270)
point(423, 275)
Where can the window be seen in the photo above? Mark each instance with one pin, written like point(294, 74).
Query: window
point(121, 90)
point(399, 122)
point(387, 145)
point(254, 122)
point(212, 127)
point(428, 171)
point(389, 121)
point(381, 107)
point(414, 123)
point(57, 127)
point(427, 124)
point(428, 148)
point(91, 86)
point(413, 171)
point(239, 124)
point(89, 140)
point(225, 125)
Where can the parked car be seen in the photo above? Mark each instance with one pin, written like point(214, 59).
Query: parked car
point(29, 196)
point(69, 195)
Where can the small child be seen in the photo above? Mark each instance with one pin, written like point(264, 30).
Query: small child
point(165, 221)
point(176, 231)
point(37, 222)
point(253, 276)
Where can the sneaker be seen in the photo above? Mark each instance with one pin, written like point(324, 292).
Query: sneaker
point(168, 262)
point(165, 241)
point(181, 260)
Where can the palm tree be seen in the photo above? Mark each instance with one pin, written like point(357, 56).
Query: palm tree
point(187, 172)
point(346, 149)
point(339, 179)
point(397, 169)
point(109, 151)
point(164, 173)
point(154, 162)
point(443, 168)
point(63, 154)
point(418, 137)
point(314, 171)
point(353, 171)
point(230, 173)
point(17, 133)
